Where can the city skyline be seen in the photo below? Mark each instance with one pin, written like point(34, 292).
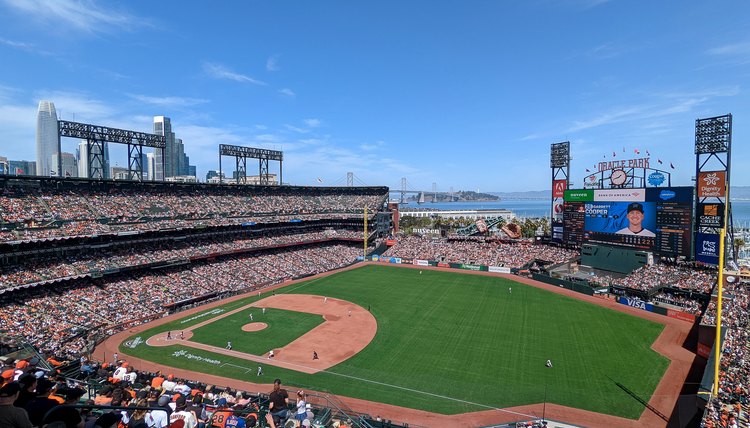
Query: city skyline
point(464, 96)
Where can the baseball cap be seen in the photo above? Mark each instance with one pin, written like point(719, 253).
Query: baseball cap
point(163, 400)
point(8, 374)
point(22, 364)
point(277, 381)
point(635, 206)
point(108, 419)
point(180, 402)
point(10, 389)
point(222, 402)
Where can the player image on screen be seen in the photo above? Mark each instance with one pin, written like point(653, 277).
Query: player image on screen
point(635, 222)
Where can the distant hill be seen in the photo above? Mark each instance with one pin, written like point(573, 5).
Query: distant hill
point(737, 192)
point(532, 194)
point(740, 192)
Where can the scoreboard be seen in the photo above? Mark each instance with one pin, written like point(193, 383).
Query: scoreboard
point(654, 219)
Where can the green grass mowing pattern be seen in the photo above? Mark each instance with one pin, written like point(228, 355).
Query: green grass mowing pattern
point(466, 337)
point(283, 328)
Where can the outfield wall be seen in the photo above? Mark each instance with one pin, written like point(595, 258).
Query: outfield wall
point(434, 263)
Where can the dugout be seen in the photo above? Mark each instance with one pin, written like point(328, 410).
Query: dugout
point(614, 259)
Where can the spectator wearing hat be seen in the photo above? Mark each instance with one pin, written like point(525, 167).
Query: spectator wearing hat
point(108, 420)
point(221, 413)
point(169, 384)
point(182, 414)
point(8, 375)
point(10, 415)
point(68, 415)
point(28, 384)
point(21, 367)
point(635, 222)
point(38, 406)
point(159, 418)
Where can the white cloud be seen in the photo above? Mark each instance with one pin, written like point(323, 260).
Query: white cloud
point(84, 15)
point(287, 92)
point(296, 129)
point(169, 101)
point(218, 71)
point(272, 63)
point(371, 147)
point(17, 45)
point(741, 48)
point(79, 105)
point(312, 123)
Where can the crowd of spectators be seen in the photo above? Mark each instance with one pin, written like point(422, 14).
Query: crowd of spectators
point(33, 213)
point(492, 253)
point(89, 260)
point(687, 304)
point(730, 404)
point(682, 276)
point(60, 318)
point(136, 399)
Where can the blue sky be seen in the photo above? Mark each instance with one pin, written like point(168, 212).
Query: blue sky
point(467, 95)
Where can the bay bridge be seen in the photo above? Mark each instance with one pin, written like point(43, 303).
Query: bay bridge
point(405, 189)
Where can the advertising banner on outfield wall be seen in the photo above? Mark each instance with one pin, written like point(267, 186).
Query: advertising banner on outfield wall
point(421, 262)
point(672, 313)
point(498, 269)
point(704, 350)
point(636, 303)
point(443, 265)
point(375, 258)
point(466, 266)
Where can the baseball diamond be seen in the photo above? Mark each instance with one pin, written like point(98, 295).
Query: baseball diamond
point(432, 348)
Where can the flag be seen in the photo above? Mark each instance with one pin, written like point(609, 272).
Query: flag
point(587, 170)
point(671, 165)
point(623, 149)
point(614, 154)
point(637, 152)
point(647, 153)
point(660, 162)
point(320, 180)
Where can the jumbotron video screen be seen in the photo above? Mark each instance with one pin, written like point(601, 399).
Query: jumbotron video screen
point(653, 219)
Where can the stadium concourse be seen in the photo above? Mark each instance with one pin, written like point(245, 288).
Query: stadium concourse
point(81, 260)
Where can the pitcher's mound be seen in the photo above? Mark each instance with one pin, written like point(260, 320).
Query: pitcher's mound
point(254, 326)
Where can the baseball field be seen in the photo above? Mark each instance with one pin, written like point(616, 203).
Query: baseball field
point(437, 341)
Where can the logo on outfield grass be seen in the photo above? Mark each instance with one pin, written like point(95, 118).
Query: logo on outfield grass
point(212, 312)
point(133, 343)
point(189, 356)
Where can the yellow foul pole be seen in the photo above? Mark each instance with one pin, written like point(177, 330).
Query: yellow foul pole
point(717, 341)
point(365, 238)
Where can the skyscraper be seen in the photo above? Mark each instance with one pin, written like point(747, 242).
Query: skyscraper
point(163, 126)
point(100, 161)
point(46, 138)
point(68, 163)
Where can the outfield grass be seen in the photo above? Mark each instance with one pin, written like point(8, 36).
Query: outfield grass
point(452, 343)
